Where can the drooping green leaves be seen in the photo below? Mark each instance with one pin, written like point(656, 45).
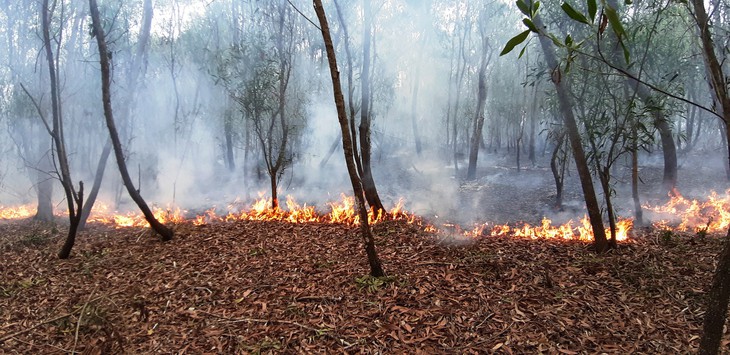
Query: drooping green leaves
point(592, 9)
point(528, 23)
point(515, 41)
point(575, 15)
point(615, 22)
point(523, 8)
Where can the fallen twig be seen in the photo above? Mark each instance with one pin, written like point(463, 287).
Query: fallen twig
point(26, 330)
point(279, 321)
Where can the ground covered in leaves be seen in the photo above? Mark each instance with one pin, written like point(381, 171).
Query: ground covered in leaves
point(260, 287)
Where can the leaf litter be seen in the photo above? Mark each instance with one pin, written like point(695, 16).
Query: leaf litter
point(277, 287)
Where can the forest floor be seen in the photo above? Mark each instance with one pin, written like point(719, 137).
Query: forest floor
point(261, 287)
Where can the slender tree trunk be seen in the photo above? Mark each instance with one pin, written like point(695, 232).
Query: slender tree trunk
point(478, 125)
point(368, 182)
point(719, 294)
point(594, 211)
point(98, 32)
point(74, 200)
point(228, 132)
point(100, 168)
point(717, 303)
point(376, 269)
point(638, 212)
point(661, 122)
point(558, 171)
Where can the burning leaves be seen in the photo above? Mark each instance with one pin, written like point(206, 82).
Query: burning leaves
point(710, 216)
point(680, 214)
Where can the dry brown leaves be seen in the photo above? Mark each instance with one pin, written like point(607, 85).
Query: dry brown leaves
point(285, 288)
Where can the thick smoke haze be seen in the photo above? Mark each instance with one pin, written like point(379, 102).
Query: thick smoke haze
point(208, 83)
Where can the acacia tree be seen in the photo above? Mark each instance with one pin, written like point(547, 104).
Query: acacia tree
point(104, 60)
point(376, 268)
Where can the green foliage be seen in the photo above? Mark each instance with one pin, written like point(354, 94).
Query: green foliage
point(575, 15)
point(373, 284)
point(512, 43)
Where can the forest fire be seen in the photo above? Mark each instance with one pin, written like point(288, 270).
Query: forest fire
point(679, 214)
point(683, 214)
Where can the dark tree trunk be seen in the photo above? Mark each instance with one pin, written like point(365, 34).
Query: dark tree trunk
point(638, 212)
point(478, 125)
point(589, 194)
point(368, 182)
point(376, 268)
point(717, 302)
point(100, 168)
point(557, 166)
point(74, 201)
point(717, 299)
point(98, 32)
point(274, 191)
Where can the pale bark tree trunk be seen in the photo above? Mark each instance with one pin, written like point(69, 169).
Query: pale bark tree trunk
point(44, 189)
point(98, 32)
point(376, 269)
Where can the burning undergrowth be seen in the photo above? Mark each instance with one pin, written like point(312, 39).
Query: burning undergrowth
point(678, 214)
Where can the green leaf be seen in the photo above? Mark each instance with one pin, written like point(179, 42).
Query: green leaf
point(615, 22)
point(522, 52)
point(530, 25)
point(568, 40)
point(516, 40)
point(523, 7)
point(592, 9)
point(535, 7)
point(627, 55)
point(575, 15)
point(556, 40)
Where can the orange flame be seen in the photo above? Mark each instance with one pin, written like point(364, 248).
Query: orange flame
point(19, 212)
point(709, 216)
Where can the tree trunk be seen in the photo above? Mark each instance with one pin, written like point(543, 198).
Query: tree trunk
point(228, 132)
point(98, 32)
point(717, 299)
point(368, 182)
point(589, 194)
point(100, 168)
point(558, 171)
point(717, 303)
point(74, 201)
point(661, 121)
point(476, 137)
point(638, 212)
point(44, 189)
point(376, 268)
